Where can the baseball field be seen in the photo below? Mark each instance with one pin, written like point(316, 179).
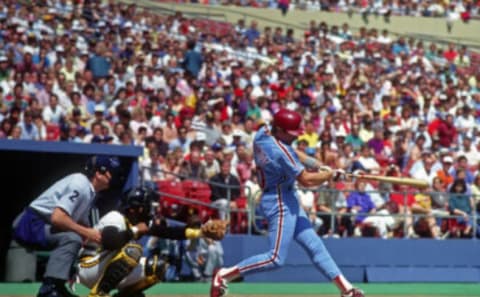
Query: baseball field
point(279, 289)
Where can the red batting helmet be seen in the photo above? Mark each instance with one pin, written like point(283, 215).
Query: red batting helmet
point(288, 120)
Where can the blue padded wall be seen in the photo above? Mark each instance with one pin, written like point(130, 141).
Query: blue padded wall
point(370, 260)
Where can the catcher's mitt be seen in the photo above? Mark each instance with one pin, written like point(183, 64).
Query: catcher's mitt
point(214, 229)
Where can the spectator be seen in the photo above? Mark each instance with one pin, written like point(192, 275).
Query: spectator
point(422, 131)
point(225, 190)
point(423, 206)
point(376, 143)
point(53, 113)
point(354, 139)
point(423, 168)
point(16, 133)
point(417, 150)
point(170, 168)
point(462, 165)
point(447, 133)
point(99, 63)
point(245, 164)
point(204, 256)
point(439, 198)
point(476, 189)
point(211, 164)
point(40, 124)
point(29, 130)
point(284, 5)
point(310, 135)
point(444, 173)
point(366, 162)
point(252, 33)
point(384, 224)
point(469, 151)
point(404, 198)
point(5, 128)
point(360, 202)
point(169, 129)
point(462, 205)
point(182, 141)
point(327, 202)
point(192, 61)
point(160, 143)
point(193, 168)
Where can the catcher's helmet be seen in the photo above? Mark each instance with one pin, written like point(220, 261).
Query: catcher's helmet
point(137, 204)
point(288, 120)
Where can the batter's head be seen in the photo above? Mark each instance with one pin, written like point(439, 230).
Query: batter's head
point(137, 204)
point(289, 121)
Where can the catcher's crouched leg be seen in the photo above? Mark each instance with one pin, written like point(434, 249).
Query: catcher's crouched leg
point(117, 269)
point(155, 269)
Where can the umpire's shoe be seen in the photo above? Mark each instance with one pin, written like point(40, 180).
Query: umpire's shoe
point(219, 287)
point(355, 292)
point(54, 288)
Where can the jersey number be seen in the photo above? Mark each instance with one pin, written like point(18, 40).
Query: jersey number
point(74, 196)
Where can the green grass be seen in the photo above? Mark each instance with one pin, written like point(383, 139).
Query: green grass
point(447, 289)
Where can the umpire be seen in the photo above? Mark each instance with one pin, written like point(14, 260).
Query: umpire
point(58, 220)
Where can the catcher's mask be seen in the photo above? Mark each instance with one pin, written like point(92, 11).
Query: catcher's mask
point(136, 205)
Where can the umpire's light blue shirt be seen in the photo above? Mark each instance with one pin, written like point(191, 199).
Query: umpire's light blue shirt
point(73, 193)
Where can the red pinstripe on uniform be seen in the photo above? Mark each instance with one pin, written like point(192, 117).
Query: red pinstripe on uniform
point(285, 150)
point(277, 240)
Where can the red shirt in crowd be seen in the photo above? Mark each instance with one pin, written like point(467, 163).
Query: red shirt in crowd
point(281, 90)
point(447, 134)
point(450, 55)
point(433, 126)
point(400, 199)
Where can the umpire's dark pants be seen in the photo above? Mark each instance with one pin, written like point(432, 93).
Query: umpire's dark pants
point(64, 247)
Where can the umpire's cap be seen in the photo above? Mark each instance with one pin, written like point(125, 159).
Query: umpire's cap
point(289, 121)
point(103, 163)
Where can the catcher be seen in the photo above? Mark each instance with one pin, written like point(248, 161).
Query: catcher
point(118, 263)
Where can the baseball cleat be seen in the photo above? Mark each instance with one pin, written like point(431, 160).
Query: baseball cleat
point(218, 286)
point(355, 292)
point(52, 289)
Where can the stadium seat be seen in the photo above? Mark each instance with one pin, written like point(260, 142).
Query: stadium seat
point(201, 192)
point(169, 205)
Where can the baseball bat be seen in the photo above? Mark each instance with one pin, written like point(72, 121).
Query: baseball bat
point(417, 183)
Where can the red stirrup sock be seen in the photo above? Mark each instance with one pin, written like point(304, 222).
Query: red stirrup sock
point(343, 284)
point(229, 274)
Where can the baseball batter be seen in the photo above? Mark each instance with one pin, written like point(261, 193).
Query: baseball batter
point(279, 167)
point(118, 262)
point(58, 221)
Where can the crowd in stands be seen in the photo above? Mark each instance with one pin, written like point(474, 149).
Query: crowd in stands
point(452, 10)
point(193, 97)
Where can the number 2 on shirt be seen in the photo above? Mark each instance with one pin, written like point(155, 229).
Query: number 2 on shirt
point(74, 196)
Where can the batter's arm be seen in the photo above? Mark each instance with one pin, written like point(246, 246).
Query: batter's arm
point(308, 161)
point(310, 179)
